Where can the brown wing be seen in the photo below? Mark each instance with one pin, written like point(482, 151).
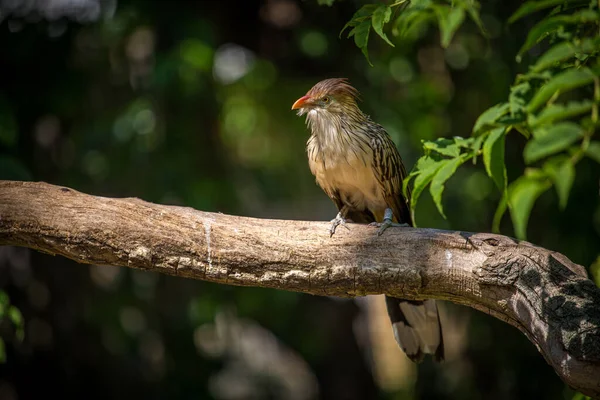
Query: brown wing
point(390, 172)
point(416, 324)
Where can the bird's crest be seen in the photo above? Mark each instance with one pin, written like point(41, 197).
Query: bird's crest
point(336, 87)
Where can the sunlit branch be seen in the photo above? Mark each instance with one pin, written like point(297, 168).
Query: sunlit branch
point(540, 292)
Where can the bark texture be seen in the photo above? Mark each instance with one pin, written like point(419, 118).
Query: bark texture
point(541, 292)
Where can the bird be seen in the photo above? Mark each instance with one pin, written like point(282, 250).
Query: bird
point(357, 164)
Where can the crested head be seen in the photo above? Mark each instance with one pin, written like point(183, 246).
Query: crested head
point(329, 97)
point(332, 115)
point(338, 87)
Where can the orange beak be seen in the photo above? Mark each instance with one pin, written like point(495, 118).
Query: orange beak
point(301, 102)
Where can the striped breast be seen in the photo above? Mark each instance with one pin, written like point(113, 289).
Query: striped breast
point(343, 167)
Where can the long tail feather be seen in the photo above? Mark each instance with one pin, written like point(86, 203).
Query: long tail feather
point(417, 328)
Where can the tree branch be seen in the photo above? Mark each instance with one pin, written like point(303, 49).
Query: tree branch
point(540, 292)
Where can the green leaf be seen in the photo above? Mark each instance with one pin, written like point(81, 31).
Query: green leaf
point(449, 19)
point(487, 120)
point(422, 164)
point(535, 76)
point(522, 194)
point(443, 174)
point(552, 24)
point(523, 130)
point(410, 21)
point(551, 141)
point(518, 97)
point(361, 37)
point(493, 157)
point(593, 151)
point(381, 16)
point(562, 172)
point(465, 143)
point(477, 146)
point(568, 80)
point(556, 112)
point(577, 18)
point(325, 2)
point(427, 168)
point(533, 6)
point(363, 14)
point(472, 7)
point(564, 51)
point(444, 146)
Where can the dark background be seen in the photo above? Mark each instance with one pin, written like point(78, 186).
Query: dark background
point(188, 103)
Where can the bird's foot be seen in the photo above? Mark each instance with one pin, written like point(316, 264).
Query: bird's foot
point(387, 222)
point(338, 220)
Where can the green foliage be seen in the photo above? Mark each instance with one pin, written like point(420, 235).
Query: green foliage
point(412, 14)
point(561, 170)
point(564, 51)
point(533, 6)
point(551, 141)
point(553, 24)
point(493, 157)
point(559, 112)
point(442, 158)
point(490, 118)
point(361, 24)
point(522, 194)
point(568, 80)
point(446, 170)
point(15, 316)
point(554, 105)
point(449, 19)
point(427, 167)
point(381, 16)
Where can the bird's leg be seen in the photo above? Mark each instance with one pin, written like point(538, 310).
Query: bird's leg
point(340, 219)
point(388, 217)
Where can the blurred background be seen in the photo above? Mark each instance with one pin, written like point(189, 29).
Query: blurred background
point(188, 103)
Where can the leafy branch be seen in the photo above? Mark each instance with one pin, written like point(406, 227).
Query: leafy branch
point(412, 14)
point(554, 105)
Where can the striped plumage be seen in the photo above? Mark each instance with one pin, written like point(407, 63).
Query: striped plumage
point(357, 164)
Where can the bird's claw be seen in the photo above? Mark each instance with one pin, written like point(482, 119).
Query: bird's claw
point(386, 224)
point(338, 220)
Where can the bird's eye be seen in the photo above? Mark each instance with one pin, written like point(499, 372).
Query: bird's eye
point(325, 100)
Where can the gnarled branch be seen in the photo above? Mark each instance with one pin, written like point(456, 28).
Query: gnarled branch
point(541, 292)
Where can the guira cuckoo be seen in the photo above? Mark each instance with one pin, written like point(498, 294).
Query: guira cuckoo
point(357, 164)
